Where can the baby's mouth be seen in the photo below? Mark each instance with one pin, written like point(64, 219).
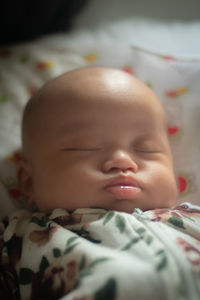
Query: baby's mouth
point(123, 188)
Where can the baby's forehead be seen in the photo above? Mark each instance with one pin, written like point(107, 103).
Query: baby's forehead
point(76, 96)
point(92, 86)
point(98, 77)
point(92, 83)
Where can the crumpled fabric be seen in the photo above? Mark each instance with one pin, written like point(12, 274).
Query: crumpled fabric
point(100, 254)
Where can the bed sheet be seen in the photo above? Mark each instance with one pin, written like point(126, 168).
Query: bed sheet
point(172, 37)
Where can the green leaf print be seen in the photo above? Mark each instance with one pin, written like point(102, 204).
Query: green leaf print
point(141, 230)
point(108, 217)
point(40, 221)
point(131, 243)
point(85, 273)
point(98, 260)
point(70, 248)
point(82, 263)
point(120, 223)
point(44, 264)
point(24, 59)
point(3, 99)
point(71, 240)
point(70, 245)
point(148, 239)
point(144, 235)
point(101, 216)
point(108, 291)
point(25, 276)
point(178, 222)
point(162, 260)
point(56, 252)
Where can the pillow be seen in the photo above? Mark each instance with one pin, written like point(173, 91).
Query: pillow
point(25, 68)
point(176, 83)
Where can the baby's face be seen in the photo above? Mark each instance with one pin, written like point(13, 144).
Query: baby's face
point(100, 142)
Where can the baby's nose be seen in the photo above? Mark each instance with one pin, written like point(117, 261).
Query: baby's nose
point(120, 161)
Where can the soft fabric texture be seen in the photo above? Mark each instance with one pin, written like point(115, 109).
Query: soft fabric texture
point(98, 254)
point(23, 69)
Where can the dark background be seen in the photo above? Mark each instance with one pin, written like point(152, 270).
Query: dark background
point(22, 20)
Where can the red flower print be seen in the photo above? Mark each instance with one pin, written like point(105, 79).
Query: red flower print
point(128, 70)
point(173, 130)
point(192, 253)
point(184, 184)
point(43, 65)
point(187, 211)
point(42, 237)
point(176, 93)
point(168, 57)
point(56, 281)
point(68, 220)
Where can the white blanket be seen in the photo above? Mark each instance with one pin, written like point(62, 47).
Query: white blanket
point(99, 254)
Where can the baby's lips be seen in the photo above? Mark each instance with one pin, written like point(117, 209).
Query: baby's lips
point(123, 192)
point(123, 187)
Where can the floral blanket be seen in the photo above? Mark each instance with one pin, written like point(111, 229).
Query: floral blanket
point(98, 254)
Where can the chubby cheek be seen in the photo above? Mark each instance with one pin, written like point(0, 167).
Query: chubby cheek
point(63, 187)
point(161, 186)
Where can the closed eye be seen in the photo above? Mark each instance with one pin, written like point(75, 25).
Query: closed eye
point(80, 149)
point(147, 151)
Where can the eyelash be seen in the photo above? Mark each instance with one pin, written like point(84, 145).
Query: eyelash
point(81, 149)
point(98, 149)
point(147, 151)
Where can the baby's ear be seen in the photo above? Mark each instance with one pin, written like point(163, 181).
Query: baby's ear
point(25, 179)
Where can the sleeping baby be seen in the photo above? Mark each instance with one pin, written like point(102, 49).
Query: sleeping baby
point(96, 137)
point(98, 168)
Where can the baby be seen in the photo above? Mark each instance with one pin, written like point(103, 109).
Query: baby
point(96, 137)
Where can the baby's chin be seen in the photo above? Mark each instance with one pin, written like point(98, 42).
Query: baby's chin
point(127, 206)
point(122, 205)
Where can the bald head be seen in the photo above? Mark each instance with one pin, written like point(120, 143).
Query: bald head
point(87, 126)
point(95, 84)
